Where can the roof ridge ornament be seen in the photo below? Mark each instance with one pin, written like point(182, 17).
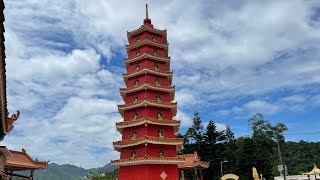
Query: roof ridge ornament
point(147, 11)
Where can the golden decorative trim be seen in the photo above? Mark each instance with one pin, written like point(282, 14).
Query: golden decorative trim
point(148, 160)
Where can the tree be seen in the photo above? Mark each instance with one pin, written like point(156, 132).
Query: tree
point(194, 135)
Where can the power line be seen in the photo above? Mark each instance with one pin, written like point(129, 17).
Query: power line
point(303, 133)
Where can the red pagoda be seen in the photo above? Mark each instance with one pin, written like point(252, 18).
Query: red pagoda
point(148, 149)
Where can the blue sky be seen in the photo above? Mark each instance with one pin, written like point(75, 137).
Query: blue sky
point(230, 60)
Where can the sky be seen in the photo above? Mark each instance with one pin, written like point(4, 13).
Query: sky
point(230, 59)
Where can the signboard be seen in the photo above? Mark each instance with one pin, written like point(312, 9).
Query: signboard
point(281, 171)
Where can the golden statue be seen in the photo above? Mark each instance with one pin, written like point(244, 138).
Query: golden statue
point(160, 134)
point(159, 116)
point(161, 154)
point(158, 99)
point(255, 174)
point(155, 53)
point(135, 99)
point(134, 116)
point(156, 67)
point(133, 155)
point(137, 53)
point(154, 39)
point(157, 82)
point(136, 83)
point(134, 135)
point(137, 67)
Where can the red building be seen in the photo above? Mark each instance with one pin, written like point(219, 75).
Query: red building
point(148, 149)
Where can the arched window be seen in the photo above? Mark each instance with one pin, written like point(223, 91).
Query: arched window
point(136, 83)
point(137, 39)
point(155, 53)
point(159, 116)
point(137, 53)
point(134, 116)
point(137, 67)
point(133, 155)
point(158, 82)
point(156, 67)
point(160, 134)
point(161, 154)
point(154, 38)
point(158, 98)
point(135, 99)
point(134, 135)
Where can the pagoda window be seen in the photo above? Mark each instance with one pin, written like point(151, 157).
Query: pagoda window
point(156, 67)
point(154, 38)
point(158, 99)
point(133, 155)
point(138, 39)
point(134, 135)
point(134, 116)
point(159, 116)
point(155, 53)
point(136, 83)
point(161, 154)
point(135, 99)
point(160, 134)
point(158, 82)
point(137, 53)
point(137, 67)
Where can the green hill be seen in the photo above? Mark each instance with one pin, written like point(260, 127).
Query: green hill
point(67, 172)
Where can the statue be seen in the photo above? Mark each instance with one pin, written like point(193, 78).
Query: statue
point(136, 83)
point(137, 53)
point(255, 174)
point(134, 135)
point(161, 154)
point(156, 67)
point(158, 99)
point(160, 134)
point(154, 39)
point(159, 116)
point(135, 99)
point(133, 155)
point(157, 82)
point(137, 67)
point(155, 53)
point(134, 116)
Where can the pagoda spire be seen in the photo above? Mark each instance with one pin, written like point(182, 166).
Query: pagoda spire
point(147, 11)
point(147, 21)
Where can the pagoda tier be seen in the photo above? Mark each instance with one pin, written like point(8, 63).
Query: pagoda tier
point(178, 142)
point(148, 160)
point(146, 103)
point(148, 146)
point(147, 56)
point(145, 121)
point(147, 86)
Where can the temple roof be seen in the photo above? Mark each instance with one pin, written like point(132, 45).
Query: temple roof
point(144, 86)
point(315, 170)
point(149, 29)
point(146, 55)
point(16, 160)
point(191, 161)
point(148, 42)
point(6, 124)
point(146, 102)
point(147, 120)
point(148, 71)
point(148, 139)
point(147, 160)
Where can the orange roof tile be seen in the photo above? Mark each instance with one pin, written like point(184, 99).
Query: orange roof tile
point(191, 161)
point(20, 160)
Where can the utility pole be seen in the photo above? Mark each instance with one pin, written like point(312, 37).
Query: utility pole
point(280, 159)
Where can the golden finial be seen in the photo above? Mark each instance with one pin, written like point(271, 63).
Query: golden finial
point(147, 11)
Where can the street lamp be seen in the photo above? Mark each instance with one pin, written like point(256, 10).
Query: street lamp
point(221, 167)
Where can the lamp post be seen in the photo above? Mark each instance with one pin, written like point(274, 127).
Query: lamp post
point(221, 167)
